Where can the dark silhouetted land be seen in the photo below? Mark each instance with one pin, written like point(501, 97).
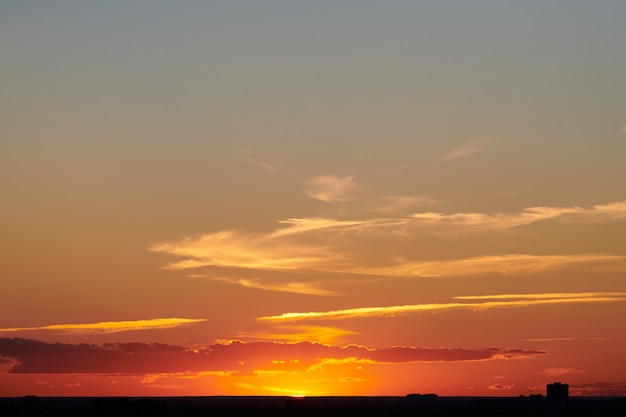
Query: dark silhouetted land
point(413, 405)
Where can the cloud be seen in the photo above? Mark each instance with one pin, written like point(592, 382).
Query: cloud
point(291, 287)
point(330, 188)
point(248, 156)
point(501, 387)
point(283, 248)
point(319, 334)
point(608, 389)
point(466, 149)
point(500, 221)
point(564, 339)
point(236, 356)
point(244, 250)
point(503, 264)
point(369, 246)
point(401, 203)
point(363, 312)
point(111, 326)
point(298, 226)
point(523, 300)
point(111, 358)
point(556, 372)
point(352, 379)
point(543, 296)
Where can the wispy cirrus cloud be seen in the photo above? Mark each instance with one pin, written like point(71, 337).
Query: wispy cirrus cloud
point(556, 372)
point(337, 245)
point(508, 300)
point(503, 264)
point(244, 250)
point(401, 203)
point(110, 326)
point(330, 188)
point(564, 339)
point(466, 149)
point(542, 296)
point(250, 157)
point(612, 389)
point(235, 357)
point(309, 288)
point(502, 221)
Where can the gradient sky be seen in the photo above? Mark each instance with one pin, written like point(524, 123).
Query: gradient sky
point(312, 198)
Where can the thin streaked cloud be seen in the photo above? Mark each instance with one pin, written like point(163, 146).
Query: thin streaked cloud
point(250, 157)
point(363, 312)
point(335, 245)
point(309, 288)
point(565, 339)
point(502, 264)
point(391, 311)
point(111, 326)
point(468, 148)
point(311, 224)
point(556, 295)
point(502, 221)
point(244, 250)
point(499, 387)
point(612, 389)
point(402, 203)
point(330, 188)
point(556, 372)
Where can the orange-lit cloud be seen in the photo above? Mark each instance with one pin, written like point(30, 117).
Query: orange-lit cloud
point(363, 312)
point(545, 296)
point(320, 334)
point(524, 300)
point(400, 203)
point(501, 386)
point(503, 264)
point(563, 339)
point(502, 221)
point(335, 245)
point(111, 326)
point(292, 287)
point(283, 249)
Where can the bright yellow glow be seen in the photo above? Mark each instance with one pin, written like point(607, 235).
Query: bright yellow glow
point(320, 334)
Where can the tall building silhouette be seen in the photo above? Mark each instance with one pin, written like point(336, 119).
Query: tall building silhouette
point(557, 394)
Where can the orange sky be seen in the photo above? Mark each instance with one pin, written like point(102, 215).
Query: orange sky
point(349, 198)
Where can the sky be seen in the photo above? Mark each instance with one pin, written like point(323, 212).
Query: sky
point(312, 198)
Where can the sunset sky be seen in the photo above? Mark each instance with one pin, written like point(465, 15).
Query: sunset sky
point(312, 197)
